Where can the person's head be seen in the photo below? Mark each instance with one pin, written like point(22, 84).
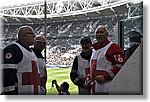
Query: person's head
point(101, 33)
point(135, 36)
point(39, 42)
point(86, 44)
point(64, 86)
point(26, 35)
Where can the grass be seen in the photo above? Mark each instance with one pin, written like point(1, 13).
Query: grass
point(61, 75)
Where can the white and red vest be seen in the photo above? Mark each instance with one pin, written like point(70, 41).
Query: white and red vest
point(98, 64)
point(28, 73)
point(83, 70)
point(42, 66)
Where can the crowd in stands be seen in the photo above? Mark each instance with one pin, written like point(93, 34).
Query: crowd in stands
point(78, 27)
point(63, 51)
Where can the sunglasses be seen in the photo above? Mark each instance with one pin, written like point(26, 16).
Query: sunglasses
point(41, 42)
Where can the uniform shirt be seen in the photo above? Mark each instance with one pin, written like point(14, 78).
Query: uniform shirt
point(130, 51)
point(16, 66)
point(107, 59)
point(42, 67)
point(79, 71)
point(41, 62)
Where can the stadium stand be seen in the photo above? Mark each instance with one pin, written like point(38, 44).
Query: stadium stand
point(62, 51)
point(63, 36)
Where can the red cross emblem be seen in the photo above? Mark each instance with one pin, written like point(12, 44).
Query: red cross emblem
point(94, 73)
point(32, 78)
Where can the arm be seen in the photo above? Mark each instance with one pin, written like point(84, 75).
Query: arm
point(44, 78)
point(57, 86)
point(74, 75)
point(115, 56)
point(10, 61)
point(45, 75)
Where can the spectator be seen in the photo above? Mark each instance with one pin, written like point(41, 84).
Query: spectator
point(39, 45)
point(81, 67)
point(106, 61)
point(135, 40)
point(21, 72)
point(62, 89)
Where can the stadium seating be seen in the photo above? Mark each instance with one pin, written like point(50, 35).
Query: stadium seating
point(58, 48)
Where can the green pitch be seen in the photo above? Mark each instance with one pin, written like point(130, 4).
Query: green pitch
point(61, 75)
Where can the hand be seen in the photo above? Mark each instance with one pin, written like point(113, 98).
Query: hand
point(87, 84)
point(100, 79)
point(54, 82)
point(83, 79)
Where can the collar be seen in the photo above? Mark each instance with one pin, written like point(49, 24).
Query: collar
point(97, 46)
point(23, 46)
point(87, 57)
point(37, 53)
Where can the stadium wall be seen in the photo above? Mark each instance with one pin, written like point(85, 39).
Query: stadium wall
point(130, 78)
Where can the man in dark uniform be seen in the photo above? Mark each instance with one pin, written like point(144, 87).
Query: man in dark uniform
point(20, 69)
point(135, 40)
point(81, 67)
point(39, 45)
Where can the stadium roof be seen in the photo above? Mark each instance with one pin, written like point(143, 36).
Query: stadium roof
point(62, 10)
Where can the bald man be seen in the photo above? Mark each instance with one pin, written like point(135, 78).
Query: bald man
point(21, 71)
point(39, 45)
point(106, 61)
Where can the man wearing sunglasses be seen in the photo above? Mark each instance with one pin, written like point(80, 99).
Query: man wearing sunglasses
point(106, 61)
point(39, 46)
point(21, 71)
